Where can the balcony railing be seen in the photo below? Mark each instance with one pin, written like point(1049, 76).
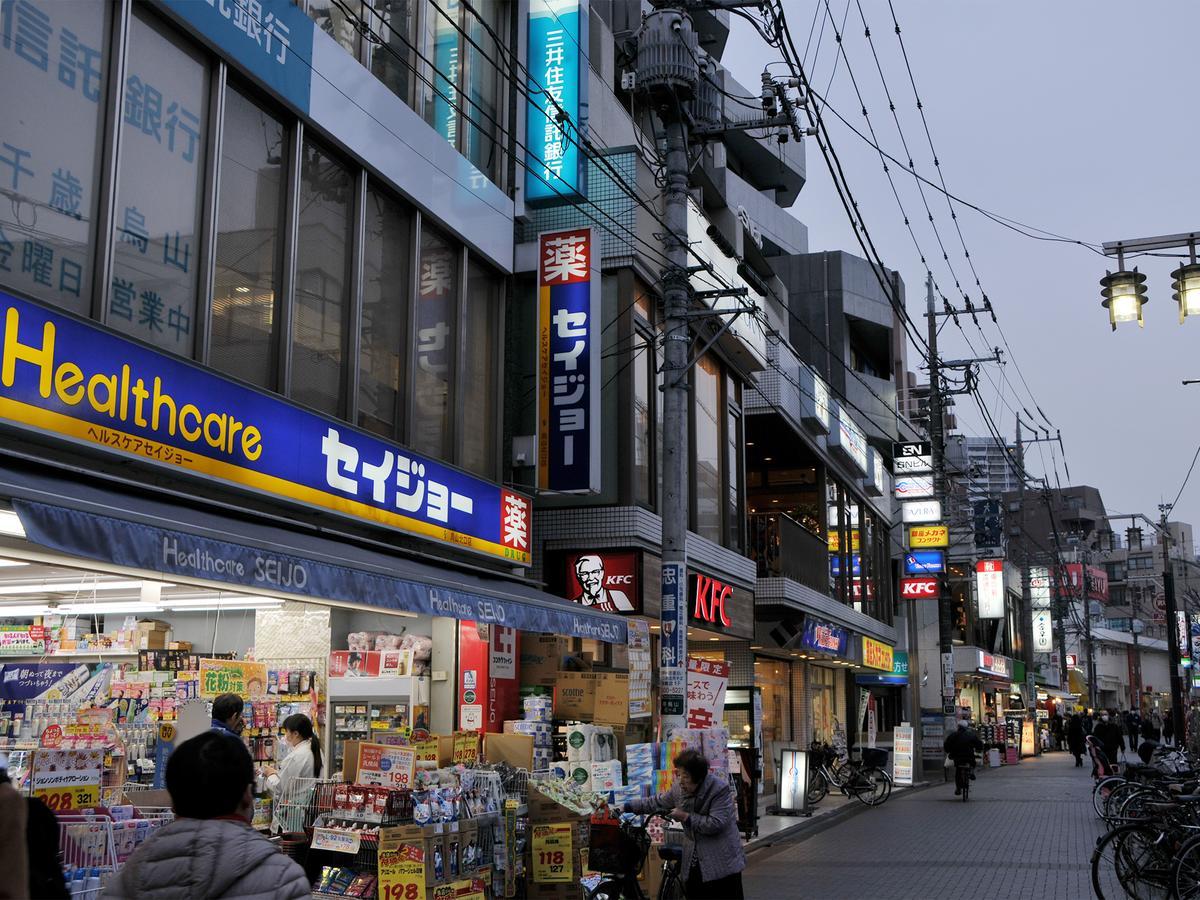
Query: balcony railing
point(783, 548)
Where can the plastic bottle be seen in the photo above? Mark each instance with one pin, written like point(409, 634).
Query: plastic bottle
point(91, 887)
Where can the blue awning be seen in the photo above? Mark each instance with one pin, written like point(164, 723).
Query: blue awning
point(98, 523)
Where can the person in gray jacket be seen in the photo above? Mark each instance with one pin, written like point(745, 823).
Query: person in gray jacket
point(210, 850)
point(703, 802)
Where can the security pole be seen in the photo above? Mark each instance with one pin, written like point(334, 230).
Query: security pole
point(938, 444)
point(1173, 657)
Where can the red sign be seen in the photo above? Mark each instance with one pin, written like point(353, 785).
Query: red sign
point(918, 588)
point(1072, 661)
point(709, 597)
point(606, 580)
point(52, 737)
point(1097, 582)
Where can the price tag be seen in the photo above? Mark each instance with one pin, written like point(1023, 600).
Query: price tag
point(552, 854)
point(66, 798)
point(402, 873)
point(336, 840)
point(386, 766)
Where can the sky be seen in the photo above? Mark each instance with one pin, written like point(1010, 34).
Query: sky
point(1070, 116)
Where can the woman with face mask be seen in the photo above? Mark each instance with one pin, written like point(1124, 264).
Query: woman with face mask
point(302, 761)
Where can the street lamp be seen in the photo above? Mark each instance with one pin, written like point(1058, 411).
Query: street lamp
point(1186, 285)
point(1124, 295)
point(1124, 290)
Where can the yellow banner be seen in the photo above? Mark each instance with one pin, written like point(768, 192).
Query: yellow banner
point(877, 655)
point(68, 798)
point(402, 873)
point(925, 536)
point(232, 676)
point(552, 854)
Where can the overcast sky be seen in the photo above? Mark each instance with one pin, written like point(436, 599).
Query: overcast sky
point(1074, 117)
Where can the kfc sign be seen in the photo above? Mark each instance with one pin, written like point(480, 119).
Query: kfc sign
point(918, 588)
point(606, 581)
point(709, 597)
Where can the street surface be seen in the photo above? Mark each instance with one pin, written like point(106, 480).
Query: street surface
point(1027, 832)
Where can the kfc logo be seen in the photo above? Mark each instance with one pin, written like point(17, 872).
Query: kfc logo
point(709, 599)
point(918, 588)
point(607, 582)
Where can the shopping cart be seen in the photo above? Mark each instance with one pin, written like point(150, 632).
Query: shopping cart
point(85, 844)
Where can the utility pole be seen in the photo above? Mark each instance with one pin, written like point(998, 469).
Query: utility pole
point(1084, 557)
point(1177, 696)
point(937, 440)
point(1026, 596)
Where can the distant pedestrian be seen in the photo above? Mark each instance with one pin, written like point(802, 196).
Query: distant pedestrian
point(227, 714)
point(1112, 740)
point(1133, 725)
point(1075, 739)
point(209, 851)
point(1156, 722)
point(1168, 730)
point(1088, 723)
point(1056, 730)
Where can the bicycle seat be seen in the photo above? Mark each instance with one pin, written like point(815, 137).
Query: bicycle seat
point(670, 854)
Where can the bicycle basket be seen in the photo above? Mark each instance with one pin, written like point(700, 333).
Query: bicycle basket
point(873, 757)
point(614, 850)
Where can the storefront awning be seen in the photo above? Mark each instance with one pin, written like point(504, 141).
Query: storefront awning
point(101, 524)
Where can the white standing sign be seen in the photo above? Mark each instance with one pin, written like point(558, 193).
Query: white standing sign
point(918, 511)
point(902, 754)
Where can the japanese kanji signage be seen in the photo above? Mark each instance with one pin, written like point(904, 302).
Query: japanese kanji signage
point(706, 683)
point(924, 536)
point(877, 655)
point(989, 584)
point(73, 380)
point(230, 676)
point(824, 637)
point(568, 362)
point(556, 87)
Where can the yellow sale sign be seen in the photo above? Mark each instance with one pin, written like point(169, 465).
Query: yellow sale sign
point(402, 873)
point(552, 854)
point(923, 536)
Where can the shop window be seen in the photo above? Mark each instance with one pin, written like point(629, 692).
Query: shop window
point(249, 264)
point(483, 87)
point(485, 297)
point(322, 296)
point(386, 292)
point(707, 452)
point(733, 466)
point(774, 677)
point(437, 297)
point(393, 27)
point(55, 59)
point(160, 174)
point(643, 417)
point(342, 20)
point(442, 49)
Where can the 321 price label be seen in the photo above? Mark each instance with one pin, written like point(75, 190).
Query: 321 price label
point(65, 799)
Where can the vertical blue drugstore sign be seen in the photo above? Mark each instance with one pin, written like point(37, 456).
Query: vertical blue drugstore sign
point(272, 39)
point(67, 378)
point(556, 82)
point(568, 362)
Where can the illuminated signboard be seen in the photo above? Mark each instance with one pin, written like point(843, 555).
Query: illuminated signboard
point(910, 457)
point(923, 536)
point(912, 487)
point(994, 664)
point(924, 562)
point(555, 85)
point(1039, 587)
point(1043, 631)
point(825, 638)
point(814, 400)
point(912, 511)
point(568, 362)
point(918, 588)
point(606, 580)
point(849, 439)
point(709, 599)
point(989, 584)
point(877, 655)
point(73, 380)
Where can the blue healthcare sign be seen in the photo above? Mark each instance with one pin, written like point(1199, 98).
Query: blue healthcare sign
point(271, 39)
point(924, 562)
point(568, 363)
point(74, 380)
point(555, 82)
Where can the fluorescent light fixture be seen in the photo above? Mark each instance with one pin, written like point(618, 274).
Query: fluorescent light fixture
point(32, 609)
point(10, 524)
point(11, 563)
point(68, 587)
point(113, 608)
point(204, 603)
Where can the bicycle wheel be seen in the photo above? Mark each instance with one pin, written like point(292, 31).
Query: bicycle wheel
point(818, 787)
point(1134, 807)
point(610, 890)
point(1103, 788)
point(672, 886)
point(1116, 798)
point(873, 786)
point(1185, 877)
point(1106, 884)
point(1145, 861)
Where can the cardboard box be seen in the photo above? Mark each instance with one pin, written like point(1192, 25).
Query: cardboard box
point(575, 696)
point(611, 705)
point(541, 657)
point(152, 640)
point(429, 838)
point(514, 749)
point(153, 625)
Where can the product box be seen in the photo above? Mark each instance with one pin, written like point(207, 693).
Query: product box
point(153, 640)
point(428, 838)
point(541, 656)
point(343, 663)
point(575, 695)
point(514, 749)
point(611, 704)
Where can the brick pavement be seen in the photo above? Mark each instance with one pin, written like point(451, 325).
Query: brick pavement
point(1027, 833)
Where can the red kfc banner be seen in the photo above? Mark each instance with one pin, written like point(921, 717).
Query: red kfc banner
point(606, 580)
point(706, 683)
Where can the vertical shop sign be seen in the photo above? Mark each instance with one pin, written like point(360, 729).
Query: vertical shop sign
point(556, 86)
point(639, 669)
point(568, 363)
point(902, 754)
point(1043, 633)
point(503, 656)
point(673, 649)
point(473, 652)
point(989, 582)
point(706, 683)
point(446, 66)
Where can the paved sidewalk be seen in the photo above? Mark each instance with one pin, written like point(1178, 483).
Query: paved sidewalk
point(1027, 832)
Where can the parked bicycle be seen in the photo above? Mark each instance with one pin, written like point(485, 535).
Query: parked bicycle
point(867, 780)
point(618, 850)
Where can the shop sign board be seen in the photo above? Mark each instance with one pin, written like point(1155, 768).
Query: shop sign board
point(1039, 587)
point(502, 658)
point(877, 655)
point(1072, 661)
point(814, 400)
point(876, 483)
point(605, 580)
point(386, 766)
point(1043, 631)
point(79, 382)
point(709, 599)
point(232, 676)
point(639, 669)
point(924, 562)
point(139, 546)
point(22, 640)
point(552, 863)
point(917, 587)
point(569, 424)
point(706, 683)
point(848, 438)
point(921, 511)
point(913, 487)
point(994, 664)
point(554, 165)
point(67, 780)
point(674, 616)
point(927, 536)
point(902, 754)
point(909, 457)
point(824, 637)
point(989, 585)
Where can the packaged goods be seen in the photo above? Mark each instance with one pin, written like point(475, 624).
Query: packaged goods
point(579, 746)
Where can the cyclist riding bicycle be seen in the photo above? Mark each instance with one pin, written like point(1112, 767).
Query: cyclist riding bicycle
point(960, 745)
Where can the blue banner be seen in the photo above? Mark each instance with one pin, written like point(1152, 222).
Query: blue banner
point(271, 39)
point(170, 552)
point(568, 363)
point(924, 562)
point(835, 565)
point(556, 78)
point(673, 643)
point(72, 379)
point(825, 638)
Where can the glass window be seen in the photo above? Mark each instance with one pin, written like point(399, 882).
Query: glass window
point(708, 448)
point(437, 293)
point(480, 401)
point(733, 466)
point(322, 281)
point(441, 99)
point(643, 350)
point(483, 80)
point(394, 23)
point(386, 290)
point(54, 59)
point(248, 255)
point(159, 180)
point(339, 19)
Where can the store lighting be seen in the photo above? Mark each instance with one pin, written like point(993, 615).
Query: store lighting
point(115, 608)
point(12, 563)
point(10, 524)
point(202, 604)
point(68, 587)
point(24, 610)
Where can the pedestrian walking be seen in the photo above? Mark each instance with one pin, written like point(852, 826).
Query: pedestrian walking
point(1156, 722)
point(713, 860)
point(1133, 725)
point(1111, 738)
point(1056, 730)
point(209, 851)
point(1088, 723)
point(1168, 729)
point(1075, 739)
